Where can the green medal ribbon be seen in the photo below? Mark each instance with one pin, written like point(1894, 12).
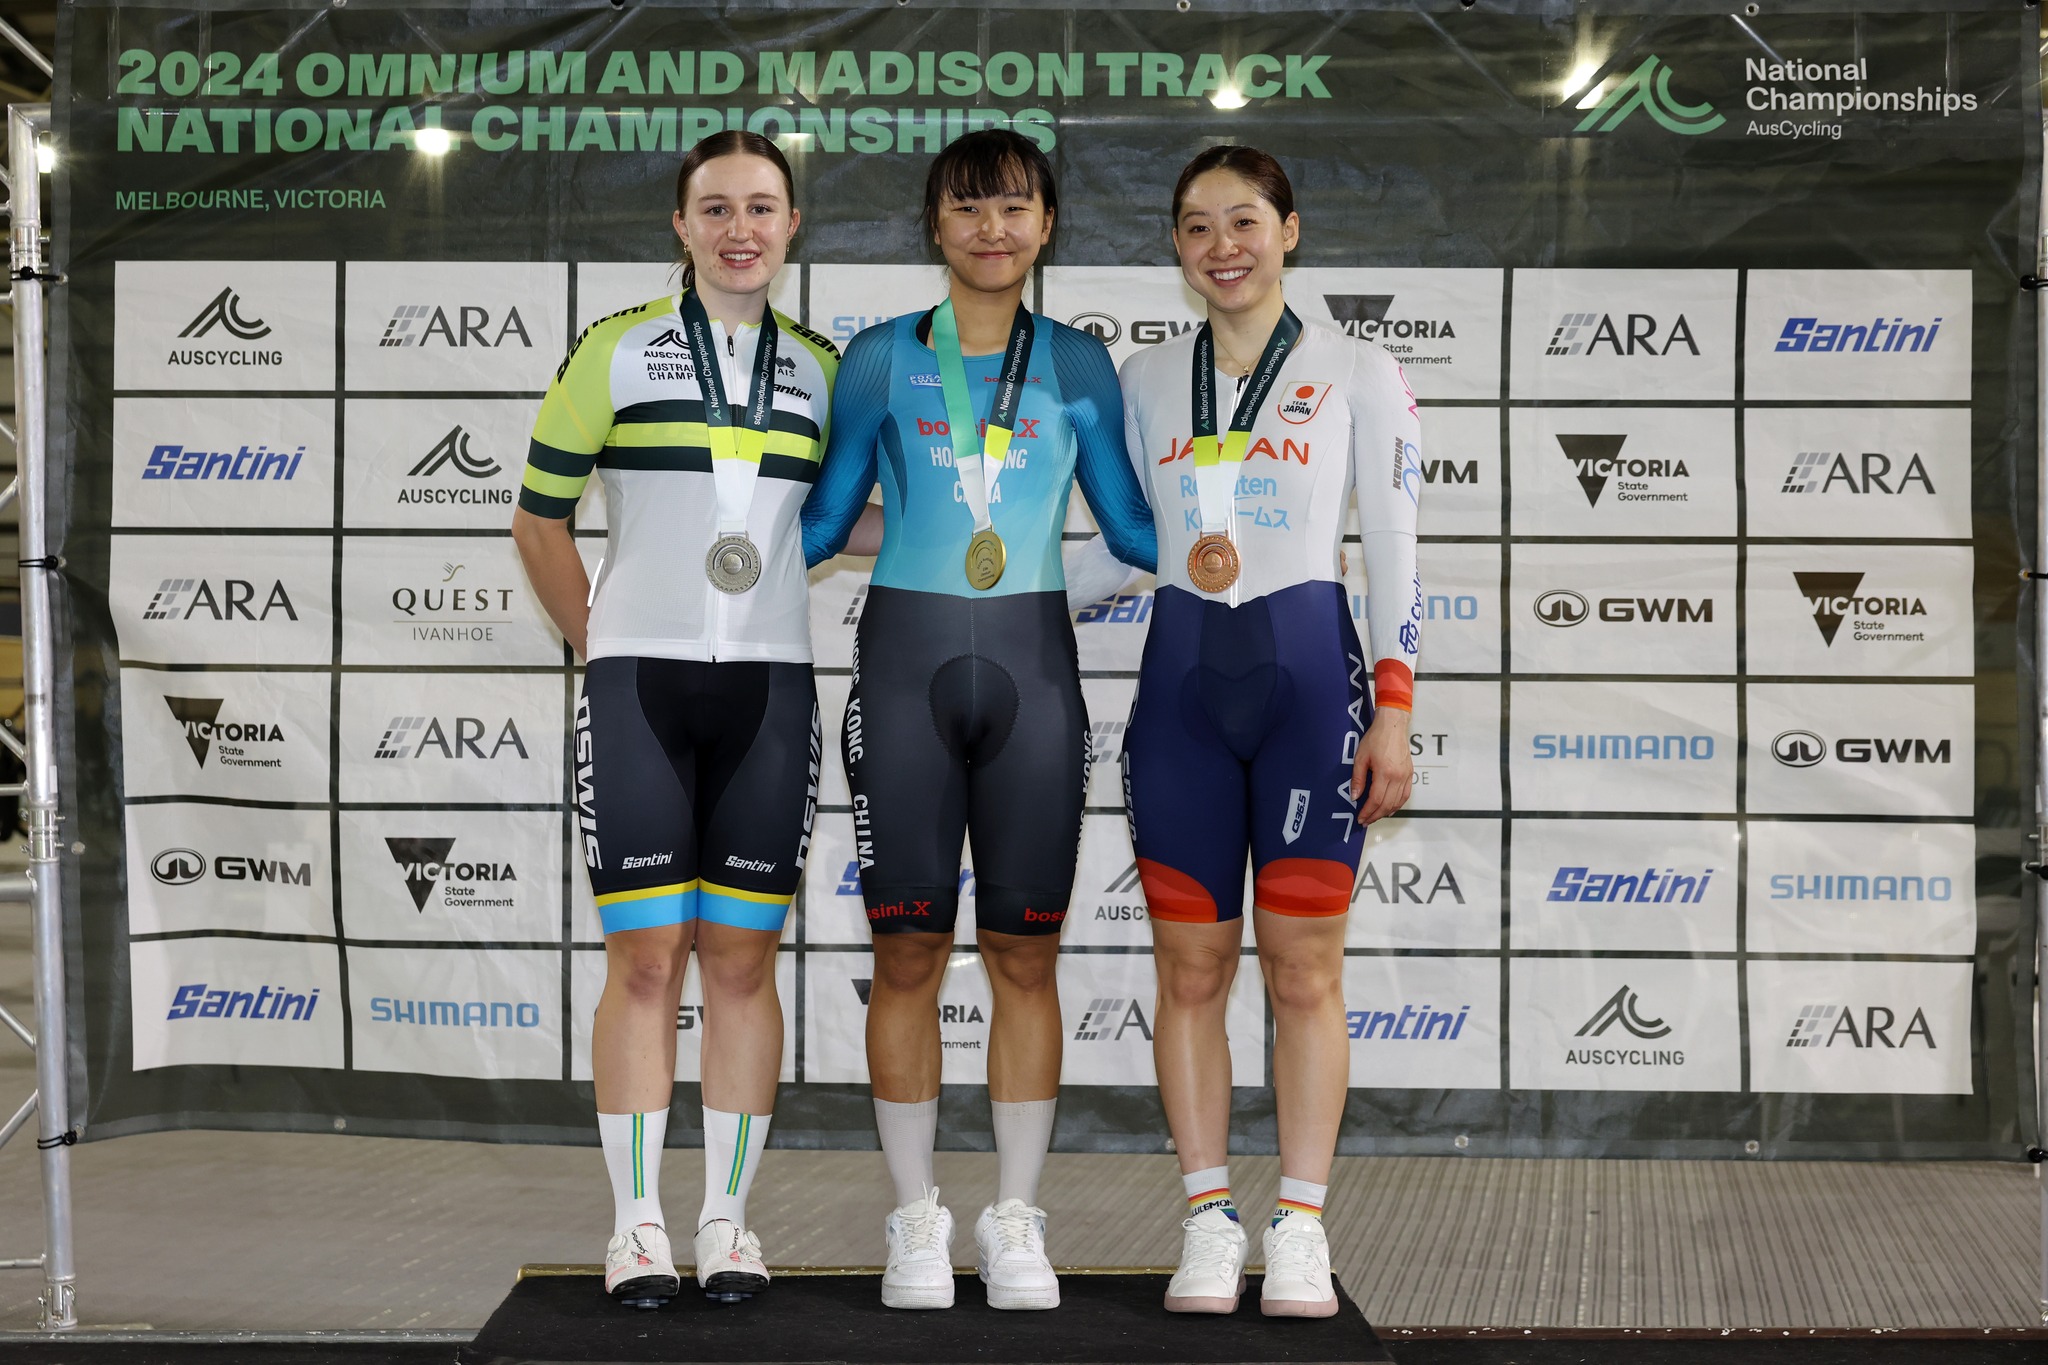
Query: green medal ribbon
point(737, 439)
point(978, 461)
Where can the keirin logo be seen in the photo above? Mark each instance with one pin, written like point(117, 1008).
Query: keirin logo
point(467, 328)
point(1621, 1009)
point(454, 449)
point(1826, 1025)
point(226, 311)
point(1648, 88)
point(1107, 1019)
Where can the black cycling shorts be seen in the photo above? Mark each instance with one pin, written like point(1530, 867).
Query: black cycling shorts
point(966, 718)
point(696, 784)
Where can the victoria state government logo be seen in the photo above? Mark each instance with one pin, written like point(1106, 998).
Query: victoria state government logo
point(1648, 88)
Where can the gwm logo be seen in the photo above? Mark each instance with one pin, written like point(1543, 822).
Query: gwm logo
point(1648, 88)
point(226, 311)
point(1101, 326)
point(1621, 1009)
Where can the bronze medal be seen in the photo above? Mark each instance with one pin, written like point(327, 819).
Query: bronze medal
point(985, 559)
point(1213, 563)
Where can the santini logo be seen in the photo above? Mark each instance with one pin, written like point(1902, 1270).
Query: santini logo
point(1828, 1025)
point(435, 328)
point(1821, 471)
point(199, 1001)
point(454, 449)
point(1621, 1009)
point(1108, 1019)
point(1811, 334)
point(233, 599)
point(226, 311)
point(1804, 749)
point(414, 736)
point(1596, 457)
point(1647, 887)
point(1833, 596)
point(243, 464)
point(199, 718)
point(1414, 1024)
point(1648, 88)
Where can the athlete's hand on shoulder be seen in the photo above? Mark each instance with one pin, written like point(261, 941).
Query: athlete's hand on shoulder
point(1384, 757)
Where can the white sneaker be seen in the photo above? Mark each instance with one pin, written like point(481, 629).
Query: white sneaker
point(639, 1269)
point(920, 1269)
point(729, 1262)
point(1009, 1241)
point(1297, 1270)
point(1212, 1254)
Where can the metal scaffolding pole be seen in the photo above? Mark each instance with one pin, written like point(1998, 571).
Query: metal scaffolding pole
point(26, 126)
point(2040, 586)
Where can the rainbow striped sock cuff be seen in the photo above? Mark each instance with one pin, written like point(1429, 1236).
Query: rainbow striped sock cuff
point(1213, 1199)
point(1287, 1206)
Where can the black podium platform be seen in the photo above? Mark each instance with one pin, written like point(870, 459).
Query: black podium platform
point(809, 1319)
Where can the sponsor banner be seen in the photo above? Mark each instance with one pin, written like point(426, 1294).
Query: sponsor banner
point(1835, 887)
point(221, 462)
point(833, 689)
point(1109, 1004)
point(431, 600)
point(1127, 308)
point(198, 867)
point(834, 911)
point(586, 983)
point(607, 287)
point(1904, 749)
point(1864, 1028)
point(1889, 335)
point(1624, 334)
point(1592, 608)
point(584, 924)
point(240, 736)
point(1443, 325)
point(1109, 720)
point(485, 326)
point(1623, 471)
point(1867, 472)
point(437, 464)
point(1427, 883)
point(193, 326)
point(1423, 1023)
point(1627, 886)
point(1460, 473)
point(1594, 746)
point(1580, 1023)
point(1868, 611)
point(836, 989)
point(234, 1002)
point(1455, 742)
point(839, 588)
point(1108, 908)
point(463, 738)
point(848, 299)
point(457, 1012)
point(452, 876)
point(222, 599)
point(1460, 607)
point(1110, 634)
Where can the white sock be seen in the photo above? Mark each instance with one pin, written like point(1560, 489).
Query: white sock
point(1209, 1189)
point(632, 1153)
point(1023, 1134)
point(732, 1153)
point(1298, 1197)
point(909, 1132)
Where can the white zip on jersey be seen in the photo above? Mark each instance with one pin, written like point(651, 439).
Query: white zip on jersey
point(1339, 419)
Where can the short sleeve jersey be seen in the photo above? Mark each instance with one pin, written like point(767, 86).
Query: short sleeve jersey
point(626, 403)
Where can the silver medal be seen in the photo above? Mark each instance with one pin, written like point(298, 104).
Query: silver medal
point(733, 565)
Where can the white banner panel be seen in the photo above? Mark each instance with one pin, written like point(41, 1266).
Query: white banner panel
point(848, 299)
point(1593, 746)
point(1127, 307)
point(1626, 885)
point(836, 987)
point(1873, 749)
point(440, 464)
point(1455, 742)
point(1443, 325)
point(1591, 608)
point(1581, 1023)
point(586, 984)
point(833, 689)
point(464, 738)
point(223, 599)
point(241, 736)
point(1108, 908)
point(1110, 634)
point(1879, 1028)
point(192, 326)
point(839, 588)
point(1423, 1023)
point(1889, 335)
point(1109, 714)
point(1460, 607)
point(482, 326)
point(235, 1002)
point(1868, 611)
point(194, 867)
point(453, 876)
point(431, 600)
point(220, 462)
point(457, 1012)
point(1623, 471)
point(1855, 888)
point(607, 287)
point(1624, 334)
point(1427, 883)
point(1866, 472)
point(1460, 473)
point(1110, 1004)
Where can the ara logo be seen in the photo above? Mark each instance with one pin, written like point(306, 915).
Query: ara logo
point(177, 867)
point(199, 718)
point(1109, 1018)
point(1585, 334)
point(427, 324)
point(1596, 457)
point(1823, 471)
point(1648, 88)
point(461, 737)
point(454, 449)
point(1365, 316)
point(1404, 882)
point(1833, 596)
point(226, 311)
point(1101, 326)
point(183, 866)
point(183, 598)
point(1105, 740)
point(1828, 1025)
point(1804, 749)
point(1620, 1008)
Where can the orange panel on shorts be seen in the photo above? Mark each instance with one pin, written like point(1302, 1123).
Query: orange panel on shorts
point(1174, 895)
point(1303, 886)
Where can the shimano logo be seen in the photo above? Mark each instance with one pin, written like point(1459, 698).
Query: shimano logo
point(1625, 748)
point(1851, 886)
point(455, 1013)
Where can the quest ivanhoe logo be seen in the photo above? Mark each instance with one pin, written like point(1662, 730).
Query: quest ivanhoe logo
point(1835, 1025)
point(1872, 474)
point(1648, 88)
point(1596, 458)
point(199, 719)
point(1836, 597)
point(451, 611)
point(229, 599)
point(1805, 749)
point(425, 862)
point(431, 325)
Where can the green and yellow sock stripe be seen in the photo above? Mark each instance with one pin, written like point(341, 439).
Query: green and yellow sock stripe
point(639, 1156)
point(739, 1153)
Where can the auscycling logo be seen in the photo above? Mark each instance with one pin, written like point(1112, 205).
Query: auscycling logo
point(1648, 88)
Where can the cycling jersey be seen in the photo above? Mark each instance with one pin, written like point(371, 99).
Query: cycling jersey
point(627, 403)
point(1340, 419)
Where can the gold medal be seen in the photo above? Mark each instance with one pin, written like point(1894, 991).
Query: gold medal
point(985, 559)
point(1212, 563)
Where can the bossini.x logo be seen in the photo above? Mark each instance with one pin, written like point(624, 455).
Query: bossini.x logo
point(1648, 87)
point(1621, 1009)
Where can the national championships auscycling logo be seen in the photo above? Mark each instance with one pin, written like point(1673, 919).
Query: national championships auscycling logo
point(1648, 88)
